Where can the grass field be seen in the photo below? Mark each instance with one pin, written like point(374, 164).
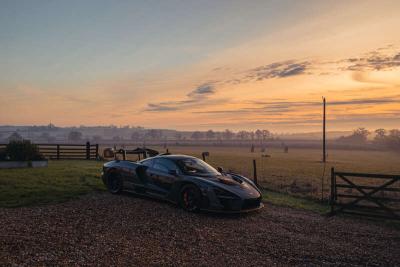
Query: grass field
point(61, 181)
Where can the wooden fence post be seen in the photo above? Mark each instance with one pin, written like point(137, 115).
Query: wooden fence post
point(97, 151)
point(58, 151)
point(255, 172)
point(332, 202)
point(87, 150)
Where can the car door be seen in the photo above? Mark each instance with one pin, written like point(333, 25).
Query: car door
point(164, 174)
point(152, 178)
point(135, 177)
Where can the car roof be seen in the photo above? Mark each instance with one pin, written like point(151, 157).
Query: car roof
point(174, 157)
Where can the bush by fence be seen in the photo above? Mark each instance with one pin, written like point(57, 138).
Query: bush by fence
point(22, 150)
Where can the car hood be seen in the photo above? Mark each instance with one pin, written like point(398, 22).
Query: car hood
point(226, 182)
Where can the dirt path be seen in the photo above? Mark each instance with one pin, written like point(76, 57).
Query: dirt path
point(107, 230)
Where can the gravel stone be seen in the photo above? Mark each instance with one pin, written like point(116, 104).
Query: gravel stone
point(107, 230)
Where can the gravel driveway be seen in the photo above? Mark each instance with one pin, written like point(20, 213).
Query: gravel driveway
point(102, 229)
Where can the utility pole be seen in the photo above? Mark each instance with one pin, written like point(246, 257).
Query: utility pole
point(324, 131)
point(323, 146)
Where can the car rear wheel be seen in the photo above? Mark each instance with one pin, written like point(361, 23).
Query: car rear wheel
point(114, 183)
point(190, 198)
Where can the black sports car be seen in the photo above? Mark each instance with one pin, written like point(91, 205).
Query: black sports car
point(184, 180)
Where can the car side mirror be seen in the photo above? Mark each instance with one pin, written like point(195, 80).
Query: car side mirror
point(172, 172)
point(220, 169)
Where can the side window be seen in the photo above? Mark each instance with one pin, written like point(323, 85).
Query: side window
point(159, 166)
point(148, 163)
point(170, 165)
point(165, 165)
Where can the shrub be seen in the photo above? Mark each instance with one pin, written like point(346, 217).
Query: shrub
point(22, 151)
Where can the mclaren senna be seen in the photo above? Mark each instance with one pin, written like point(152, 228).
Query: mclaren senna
point(187, 181)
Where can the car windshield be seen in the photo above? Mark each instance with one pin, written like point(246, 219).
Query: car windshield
point(193, 166)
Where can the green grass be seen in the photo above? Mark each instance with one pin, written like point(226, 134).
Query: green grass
point(60, 181)
point(283, 199)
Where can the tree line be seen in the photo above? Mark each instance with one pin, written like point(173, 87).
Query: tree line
point(157, 135)
point(380, 137)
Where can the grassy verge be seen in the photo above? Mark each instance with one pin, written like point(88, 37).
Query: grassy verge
point(60, 181)
point(282, 199)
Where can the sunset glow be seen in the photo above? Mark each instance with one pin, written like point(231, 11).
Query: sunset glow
point(205, 65)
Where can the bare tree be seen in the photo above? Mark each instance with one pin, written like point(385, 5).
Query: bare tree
point(258, 134)
point(394, 139)
point(359, 136)
point(243, 135)
point(252, 134)
point(228, 134)
point(265, 134)
point(380, 136)
point(197, 135)
point(210, 134)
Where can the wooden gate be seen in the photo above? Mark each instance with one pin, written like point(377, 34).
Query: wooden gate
point(365, 194)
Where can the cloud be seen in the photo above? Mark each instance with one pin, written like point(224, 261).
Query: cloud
point(379, 59)
point(374, 60)
point(204, 89)
point(202, 95)
point(170, 105)
point(384, 100)
point(160, 107)
point(197, 97)
point(279, 70)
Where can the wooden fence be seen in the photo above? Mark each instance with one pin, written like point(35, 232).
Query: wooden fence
point(68, 151)
point(365, 194)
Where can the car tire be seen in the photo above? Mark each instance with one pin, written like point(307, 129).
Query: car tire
point(114, 183)
point(190, 198)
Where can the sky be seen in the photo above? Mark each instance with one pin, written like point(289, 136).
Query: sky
point(198, 65)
